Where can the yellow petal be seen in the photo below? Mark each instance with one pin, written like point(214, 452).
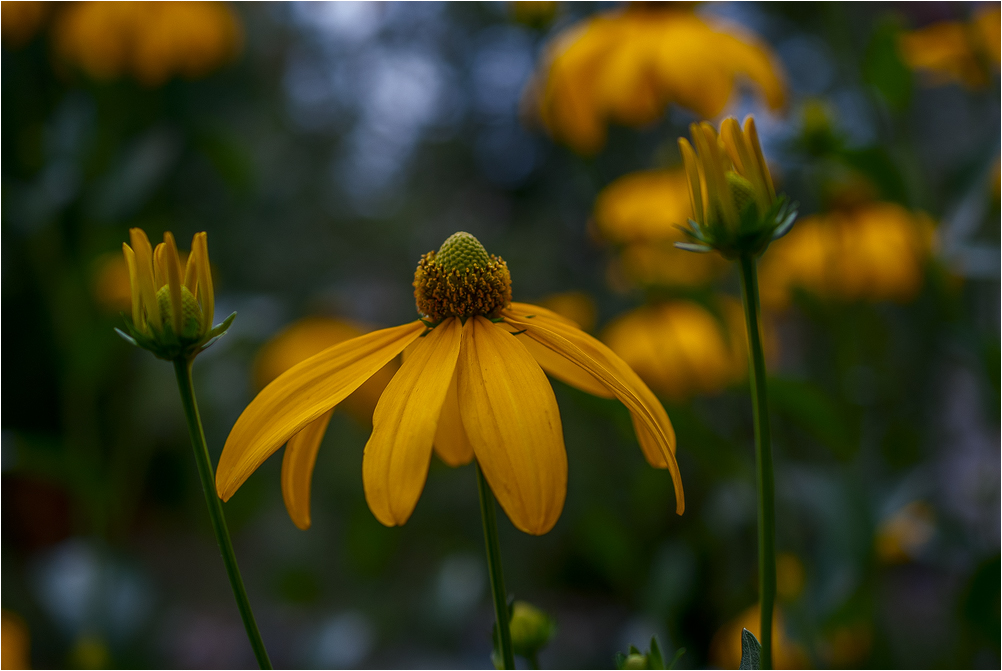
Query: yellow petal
point(397, 455)
point(654, 431)
point(451, 442)
point(751, 133)
point(692, 177)
point(206, 296)
point(564, 370)
point(297, 468)
point(512, 420)
point(301, 395)
point(144, 269)
point(130, 261)
point(172, 263)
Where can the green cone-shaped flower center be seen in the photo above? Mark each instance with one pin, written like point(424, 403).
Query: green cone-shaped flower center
point(741, 190)
point(191, 312)
point(461, 280)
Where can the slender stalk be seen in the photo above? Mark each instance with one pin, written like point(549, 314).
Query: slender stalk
point(494, 568)
point(182, 369)
point(763, 457)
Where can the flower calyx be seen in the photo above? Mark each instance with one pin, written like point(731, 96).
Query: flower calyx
point(735, 207)
point(172, 303)
point(461, 280)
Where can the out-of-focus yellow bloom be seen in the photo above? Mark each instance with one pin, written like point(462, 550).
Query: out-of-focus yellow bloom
point(903, 535)
point(953, 51)
point(151, 41)
point(847, 646)
point(627, 66)
point(725, 648)
point(19, 21)
point(641, 212)
point(16, 640)
point(471, 386)
point(873, 252)
point(680, 349)
point(789, 576)
point(577, 306)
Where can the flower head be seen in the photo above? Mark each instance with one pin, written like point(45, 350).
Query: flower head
point(172, 303)
point(627, 66)
point(735, 209)
point(472, 384)
point(871, 251)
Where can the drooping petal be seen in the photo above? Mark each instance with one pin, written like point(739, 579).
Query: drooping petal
point(144, 269)
point(172, 263)
point(301, 395)
point(130, 262)
point(297, 468)
point(395, 465)
point(564, 370)
point(512, 420)
point(654, 431)
point(451, 442)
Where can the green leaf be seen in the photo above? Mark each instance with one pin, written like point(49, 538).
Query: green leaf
point(751, 651)
point(654, 658)
point(677, 656)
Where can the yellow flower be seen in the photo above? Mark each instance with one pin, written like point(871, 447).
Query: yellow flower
point(952, 51)
point(902, 536)
point(310, 336)
point(680, 349)
point(472, 385)
point(735, 209)
point(151, 41)
point(640, 212)
point(627, 66)
point(873, 252)
point(15, 636)
point(172, 303)
point(20, 21)
point(725, 648)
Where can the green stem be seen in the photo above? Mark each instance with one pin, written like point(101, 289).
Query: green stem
point(763, 457)
point(494, 568)
point(182, 369)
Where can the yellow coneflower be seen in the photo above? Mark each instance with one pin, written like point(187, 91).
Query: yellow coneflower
point(640, 214)
point(871, 252)
point(955, 51)
point(472, 385)
point(627, 66)
point(172, 303)
point(151, 41)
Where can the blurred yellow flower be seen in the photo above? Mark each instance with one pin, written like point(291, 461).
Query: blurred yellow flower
point(680, 349)
point(14, 648)
point(903, 535)
point(151, 41)
point(577, 306)
point(19, 21)
point(472, 385)
point(873, 252)
point(725, 648)
point(627, 66)
point(954, 51)
point(640, 213)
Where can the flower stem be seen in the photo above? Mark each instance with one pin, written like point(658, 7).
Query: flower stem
point(494, 568)
point(182, 369)
point(763, 457)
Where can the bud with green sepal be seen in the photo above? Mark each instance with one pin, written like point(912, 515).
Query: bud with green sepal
point(172, 304)
point(652, 659)
point(734, 204)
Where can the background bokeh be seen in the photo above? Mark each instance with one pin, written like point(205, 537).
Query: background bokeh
point(325, 147)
